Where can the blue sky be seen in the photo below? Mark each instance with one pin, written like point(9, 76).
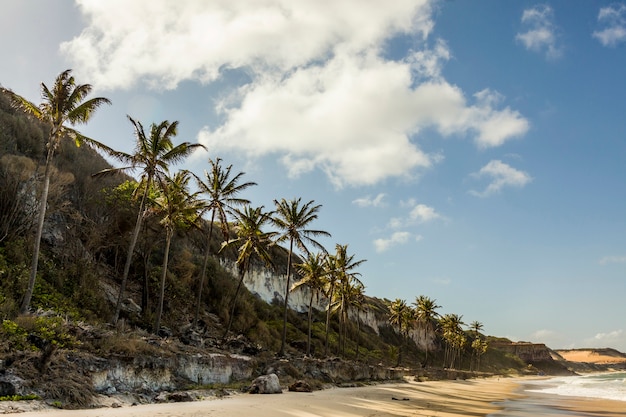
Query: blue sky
point(471, 151)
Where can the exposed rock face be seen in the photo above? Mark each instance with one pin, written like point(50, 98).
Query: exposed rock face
point(528, 352)
point(146, 374)
point(300, 386)
point(270, 287)
point(266, 384)
point(334, 371)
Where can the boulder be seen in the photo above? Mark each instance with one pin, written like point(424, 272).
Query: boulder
point(300, 386)
point(266, 384)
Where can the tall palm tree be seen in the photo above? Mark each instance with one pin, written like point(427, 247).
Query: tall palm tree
point(153, 154)
point(312, 272)
point(452, 333)
point(476, 327)
point(477, 345)
point(293, 219)
point(64, 105)
point(251, 240)
point(331, 280)
point(426, 316)
point(222, 190)
point(354, 298)
point(178, 208)
point(345, 265)
point(399, 312)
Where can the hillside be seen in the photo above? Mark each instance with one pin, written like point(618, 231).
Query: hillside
point(67, 349)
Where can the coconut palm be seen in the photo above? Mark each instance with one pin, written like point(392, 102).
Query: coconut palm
point(221, 189)
point(293, 219)
point(452, 332)
point(153, 155)
point(64, 105)
point(345, 265)
point(331, 280)
point(426, 316)
point(399, 316)
point(354, 298)
point(250, 240)
point(312, 272)
point(476, 327)
point(177, 208)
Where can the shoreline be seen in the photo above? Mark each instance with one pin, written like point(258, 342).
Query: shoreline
point(486, 397)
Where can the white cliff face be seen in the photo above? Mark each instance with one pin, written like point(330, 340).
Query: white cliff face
point(270, 286)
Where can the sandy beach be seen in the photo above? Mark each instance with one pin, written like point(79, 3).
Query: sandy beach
point(497, 397)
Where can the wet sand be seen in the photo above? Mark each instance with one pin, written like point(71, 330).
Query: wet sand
point(496, 397)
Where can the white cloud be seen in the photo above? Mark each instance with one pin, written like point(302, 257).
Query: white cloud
point(316, 69)
point(613, 259)
point(423, 214)
point(608, 339)
point(614, 19)
point(397, 238)
point(417, 214)
point(543, 334)
point(368, 201)
point(167, 42)
point(501, 175)
point(540, 31)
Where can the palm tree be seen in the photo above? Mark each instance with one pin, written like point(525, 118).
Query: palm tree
point(222, 190)
point(251, 240)
point(153, 153)
point(476, 327)
point(355, 296)
point(312, 272)
point(331, 281)
point(292, 219)
point(477, 345)
point(344, 265)
point(64, 105)
point(339, 271)
point(399, 313)
point(178, 208)
point(453, 335)
point(426, 315)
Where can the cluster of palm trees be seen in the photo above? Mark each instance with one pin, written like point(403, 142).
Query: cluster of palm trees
point(169, 196)
point(423, 315)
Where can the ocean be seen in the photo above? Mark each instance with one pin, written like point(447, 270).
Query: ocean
point(547, 397)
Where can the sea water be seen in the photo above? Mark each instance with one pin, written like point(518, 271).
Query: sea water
point(541, 397)
point(609, 386)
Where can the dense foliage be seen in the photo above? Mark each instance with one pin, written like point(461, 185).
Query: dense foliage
point(91, 220)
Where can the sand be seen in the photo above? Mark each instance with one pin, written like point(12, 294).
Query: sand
point(436, 398)
point(601, 356)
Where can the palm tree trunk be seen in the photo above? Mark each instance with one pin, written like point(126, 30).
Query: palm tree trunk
point(43, 203)
point(233, 303)
point(358, 334)
point(330, 301)
point(308, 340)
point(283, 342)
point(129, 255)
point(207, 253)
point(168, 240)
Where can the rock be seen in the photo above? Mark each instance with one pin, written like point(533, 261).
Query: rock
point(300, 386)
point(266, 384)
point(161, 398)
point(7, 389)
point(180, 397)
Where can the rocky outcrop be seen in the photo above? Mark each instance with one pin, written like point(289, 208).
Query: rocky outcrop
point(528, 352)
point(270, 287)
point(266, 384)
point(152, 374)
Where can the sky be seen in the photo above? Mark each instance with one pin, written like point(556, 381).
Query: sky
point(471, 151)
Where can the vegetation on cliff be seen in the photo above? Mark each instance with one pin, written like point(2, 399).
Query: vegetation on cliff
point(126, 257)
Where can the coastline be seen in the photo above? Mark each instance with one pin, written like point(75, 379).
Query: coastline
point(486, 397)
